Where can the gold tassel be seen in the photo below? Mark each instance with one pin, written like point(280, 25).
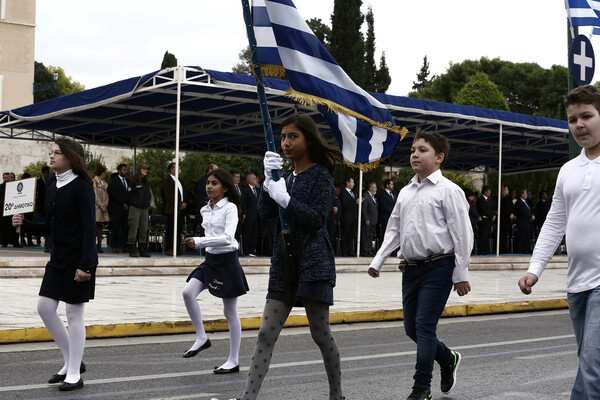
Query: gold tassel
point(309, 100)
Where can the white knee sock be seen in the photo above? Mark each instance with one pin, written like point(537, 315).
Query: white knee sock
point(190, 292)
point(46, 308)
point(76, 340)
point(235, 332)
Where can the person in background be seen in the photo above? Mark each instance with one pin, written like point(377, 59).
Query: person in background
point(349, 202)
point(221, 272)
point(118, 209)
point(100, 190)
point(70, 274)
point(369, 218)
point(171, 201)
point(485, 208)
point(138, 199)
point(386, 199)
point(507, 216)
point(525, 220)
point(541, 210)
point(474, 216)
point(250, 223)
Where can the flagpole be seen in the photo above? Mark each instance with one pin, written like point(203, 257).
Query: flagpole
point(262, 98)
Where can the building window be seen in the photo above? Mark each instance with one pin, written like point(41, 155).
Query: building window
point(3, 9)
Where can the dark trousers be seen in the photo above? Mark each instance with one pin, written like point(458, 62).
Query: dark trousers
point(485, 232)
point(524, 237)
point(119, 229)
point(347, 234)
point(169, 231)
point(425, 290)
point(367, 235)
point(9, 232)
point(250, 234)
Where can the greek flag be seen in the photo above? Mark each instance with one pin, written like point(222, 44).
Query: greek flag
point(583, 12)
point(286, 47)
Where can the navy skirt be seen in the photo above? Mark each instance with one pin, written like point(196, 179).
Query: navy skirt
point(223, 275)
point(59, 284)
point(320, 291)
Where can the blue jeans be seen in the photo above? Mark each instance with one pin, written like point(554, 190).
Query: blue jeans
point(425, 290)
point(584, 308)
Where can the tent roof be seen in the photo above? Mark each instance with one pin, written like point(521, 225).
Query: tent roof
point(220, 114)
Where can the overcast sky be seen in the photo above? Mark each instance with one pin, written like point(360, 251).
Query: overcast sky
point(98, 42)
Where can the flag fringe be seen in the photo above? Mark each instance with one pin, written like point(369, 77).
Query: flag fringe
point(364, 167)
point(310, 100)
point(272, 71)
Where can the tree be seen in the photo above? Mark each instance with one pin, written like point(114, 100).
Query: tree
point(370, 71)
point(169, 61)
point(321, 30)
point(46, 87)
point(383, 79)
point(244, 65)
point(422, 76)
point(481, 92)
point(347, 42)
point(527, 87)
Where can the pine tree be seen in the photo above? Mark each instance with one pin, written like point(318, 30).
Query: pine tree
point(422, 76)
point(384, 79)
point(347, 42)
point(370, 72)
point(169, 60)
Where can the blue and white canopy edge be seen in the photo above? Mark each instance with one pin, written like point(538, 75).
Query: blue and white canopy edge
point(286, 47)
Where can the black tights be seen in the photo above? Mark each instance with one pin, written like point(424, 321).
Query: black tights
point(274, 316)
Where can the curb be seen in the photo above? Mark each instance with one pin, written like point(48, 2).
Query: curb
point(28, 335)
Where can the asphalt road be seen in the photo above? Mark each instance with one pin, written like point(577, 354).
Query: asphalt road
point(513, 356)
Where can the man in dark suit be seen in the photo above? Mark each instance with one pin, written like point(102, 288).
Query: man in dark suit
point(386, 199)
point(170, 202)
point(118, 211)
point(541, 209)
point(369, 221)
point(349, 202)
point(485, 208)
point(507, 215)
point(250, 228)
point(474, 216)
point(525, 220)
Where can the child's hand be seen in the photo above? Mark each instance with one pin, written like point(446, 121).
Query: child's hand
point(373, 272)
point(462, 288)
point(189, 242)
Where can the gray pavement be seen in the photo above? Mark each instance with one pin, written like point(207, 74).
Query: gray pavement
point(157, 299)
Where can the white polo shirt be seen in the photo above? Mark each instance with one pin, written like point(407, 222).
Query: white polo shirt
point(575, 211)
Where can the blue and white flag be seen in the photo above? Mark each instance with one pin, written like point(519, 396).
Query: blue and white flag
point(364, 128)
point(583, 12)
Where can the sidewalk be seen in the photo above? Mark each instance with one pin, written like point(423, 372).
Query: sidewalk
point(152, 304)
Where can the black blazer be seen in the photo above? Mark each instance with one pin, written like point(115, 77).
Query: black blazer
point(524, 214)
point(369, 209)
point(386, 205)
point(117, 195)
point(485, 208)
point(250, 202)
point(349, 207)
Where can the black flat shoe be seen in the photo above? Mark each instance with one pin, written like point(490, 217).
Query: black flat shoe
point(59, 377)
point(221, 371)
point(192, 353)
point(67, 387)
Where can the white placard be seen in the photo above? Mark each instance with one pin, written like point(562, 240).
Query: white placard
point(19, 196)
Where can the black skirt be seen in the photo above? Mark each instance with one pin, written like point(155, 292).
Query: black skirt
point(223, 275)
point(59, 284)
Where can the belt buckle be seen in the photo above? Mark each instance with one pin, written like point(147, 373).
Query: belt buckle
point(402, 266)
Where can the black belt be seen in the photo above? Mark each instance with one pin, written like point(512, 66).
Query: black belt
point(417, 263)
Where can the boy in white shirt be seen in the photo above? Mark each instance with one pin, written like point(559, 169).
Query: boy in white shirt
point(430, 223)
point(575, 211)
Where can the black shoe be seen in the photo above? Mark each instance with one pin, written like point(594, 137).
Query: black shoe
point(100, 250)
point(59, 377)
point(420, 394)
point(222, 371)
point(449, 372)
point(144, 250)
point(192, 353)
point(67, 387)
point(133, 252)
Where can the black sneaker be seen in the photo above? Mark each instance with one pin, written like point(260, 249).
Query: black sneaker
point(449, 372)
point(420, 394)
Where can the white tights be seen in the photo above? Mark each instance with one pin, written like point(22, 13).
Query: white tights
point(190, 292)
point(72, 342)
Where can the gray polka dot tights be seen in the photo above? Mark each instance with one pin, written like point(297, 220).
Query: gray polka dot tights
point(274, 316)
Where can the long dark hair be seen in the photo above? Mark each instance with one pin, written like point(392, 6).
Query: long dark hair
point(73, 152)
point(319, 151)
point(226, 180)
point(139, 178)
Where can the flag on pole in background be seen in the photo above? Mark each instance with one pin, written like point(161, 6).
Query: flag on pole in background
point(583, 12)
point(286, 47)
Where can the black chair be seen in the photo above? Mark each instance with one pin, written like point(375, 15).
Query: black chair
point(156, 233)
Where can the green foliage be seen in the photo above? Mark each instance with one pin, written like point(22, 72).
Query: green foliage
point(534, 181)
point(45, 87)
point(91, 160)
point(370, 71)
point(321, 30)
point(383, 77)
point(527, 87)
point(422, 77)
point(169, 61)
point(35, 168)
point(244, 65)
point(66, 84)
point(481, 92)
point(347, 42)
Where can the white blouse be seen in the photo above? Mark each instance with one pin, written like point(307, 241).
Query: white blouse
point(219, 226)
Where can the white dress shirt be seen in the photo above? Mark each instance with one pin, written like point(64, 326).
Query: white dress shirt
point(575, 211)
point(429, 218)
point(219, 226)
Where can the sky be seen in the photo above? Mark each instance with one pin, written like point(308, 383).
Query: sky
point(99, 42)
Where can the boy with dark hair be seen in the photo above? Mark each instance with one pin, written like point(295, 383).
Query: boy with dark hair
point(430, 223)
point(575, 211)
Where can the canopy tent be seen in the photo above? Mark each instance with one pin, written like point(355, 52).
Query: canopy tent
point(219, 113)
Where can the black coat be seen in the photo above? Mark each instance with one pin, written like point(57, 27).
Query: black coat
point(117, 196)
point(386, 204)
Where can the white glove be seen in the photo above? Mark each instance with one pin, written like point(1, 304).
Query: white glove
point(278, 192)
point(272, 161)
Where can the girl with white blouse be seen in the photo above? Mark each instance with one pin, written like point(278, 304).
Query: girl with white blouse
point(221, 271)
